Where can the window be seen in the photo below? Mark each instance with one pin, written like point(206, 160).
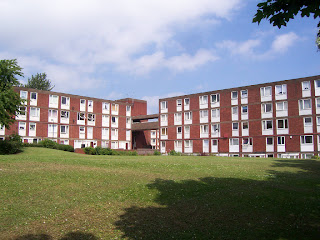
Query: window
point(281, 89)
point(266, 91)
point(306, 139)
point(164, 131)
point(269, 141)
point(281, 140)
point(234, 95)
point(282, 106)
point(114, 120)
point(32, 126)
point(203, 99)
point(82, 130)
point(164, 117)
point(91, 117)
point(22, 111)
point(188, 143)
point(179, 102)
point(53, 113)
point(186, 101)
point(187, 116)
point(203, 113)
point(114, 107)
point(24, 95)
point(317, 83)
point(215, 142)
point(53, 99)
point(245, 125)
point(128, 108)
point(81, 116)
point(34, 112)
point(82, 101)
point(64, 129)
point(308, 121)
point(90, 103)
point(105, 107)
point(244, 93)
point(64, 114)
point(215, 98)
point(282, 123)
point(179, 130)
point(204, 128)
point(215, 113)
point(306, 85)
point(65, 101)
point(247, 141)
point(318, 103)
point(244, 110)
point(305, 104)
point(235, 126)
point(215, 128)
point(235, 110)
point(164, 105)
point(267, 124)
point(33, 95)
point(234, 141)
point(178, 117)
point(267, 107)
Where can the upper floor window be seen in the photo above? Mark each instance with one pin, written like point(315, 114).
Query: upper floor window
point(179, 104)
point(234, 95)
point(203, 99)
point(244, 109)
point(215, 98)
point(33, 96)
point(244, 93)
point(266, 91)
point(267, 107)
point(306, 85)
point(105, 107)
point(53, 101)
point(186, 101)
point(164, 105)
point(65, 100)
point(281, 89)
point(24, 95)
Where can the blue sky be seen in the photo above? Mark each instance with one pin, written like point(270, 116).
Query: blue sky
point(153, 49)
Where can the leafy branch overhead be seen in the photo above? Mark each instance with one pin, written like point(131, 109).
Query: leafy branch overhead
point(9, 99)
point(280, 12)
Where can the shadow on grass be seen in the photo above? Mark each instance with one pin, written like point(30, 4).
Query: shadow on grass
point(69, 236)
point(285, 206)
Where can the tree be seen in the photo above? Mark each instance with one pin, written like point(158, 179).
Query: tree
point(10, 101)
point(40, 81)
point(279, 12)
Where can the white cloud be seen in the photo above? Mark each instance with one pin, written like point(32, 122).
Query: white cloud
point(183, 62)
point(251, 48)
point(78, 36)
point(282, 42)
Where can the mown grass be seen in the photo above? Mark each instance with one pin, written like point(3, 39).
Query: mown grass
point(50, 194)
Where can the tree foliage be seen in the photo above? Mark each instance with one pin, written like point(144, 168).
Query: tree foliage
point(9, 99)
point(279, 12)
point(40, 81)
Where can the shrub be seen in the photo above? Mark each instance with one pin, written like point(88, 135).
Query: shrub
point(90, 150)
point(156, 153)
point(12, 145)
point(47, 143)
point(174, 153)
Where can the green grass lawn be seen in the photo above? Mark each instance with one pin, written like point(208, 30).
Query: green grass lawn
point(51, 194)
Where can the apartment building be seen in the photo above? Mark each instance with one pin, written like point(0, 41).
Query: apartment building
point(75, 120)
point(276, 119)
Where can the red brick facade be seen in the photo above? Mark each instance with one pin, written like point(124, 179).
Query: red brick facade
point(93, 110)
point(271, 110)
